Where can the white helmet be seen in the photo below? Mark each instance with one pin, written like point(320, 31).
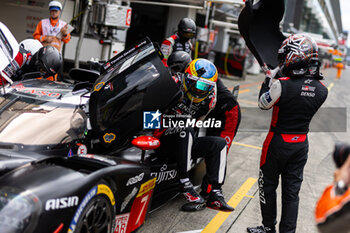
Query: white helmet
point(55, 5)
point(31, 45)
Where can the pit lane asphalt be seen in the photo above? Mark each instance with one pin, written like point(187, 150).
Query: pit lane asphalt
point(240, 188)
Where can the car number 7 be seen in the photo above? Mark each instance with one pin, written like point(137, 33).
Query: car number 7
point(144, 201)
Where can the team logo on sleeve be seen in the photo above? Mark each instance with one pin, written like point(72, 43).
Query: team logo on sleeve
point(308, 88)
point(268, 97)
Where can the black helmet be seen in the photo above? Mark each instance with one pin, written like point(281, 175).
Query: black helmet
point(298, 56)
point(186, 28)
point(178, 61)
point(48, 60)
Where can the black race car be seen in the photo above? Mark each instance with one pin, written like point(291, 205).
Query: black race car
point(74, 157)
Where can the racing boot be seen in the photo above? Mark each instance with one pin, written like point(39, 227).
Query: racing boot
point(260, 229)
point(195, 201)
point(216, 201)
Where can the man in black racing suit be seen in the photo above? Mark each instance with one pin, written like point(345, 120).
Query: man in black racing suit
point(181, 40)
point(227, 109)
point(295, 99)
point(198, 84)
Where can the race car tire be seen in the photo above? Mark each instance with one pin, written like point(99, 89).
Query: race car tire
point(97, 216)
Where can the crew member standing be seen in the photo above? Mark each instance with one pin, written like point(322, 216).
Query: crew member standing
point(295, 98)
point(180, 41)
point(48, 29)
point(339, 67)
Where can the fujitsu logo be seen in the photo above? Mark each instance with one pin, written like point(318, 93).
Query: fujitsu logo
point(61, 203)
point(164, 174)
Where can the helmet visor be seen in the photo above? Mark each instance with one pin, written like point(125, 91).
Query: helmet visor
point(44, 72)
point(199, 85)
point(177, 68)
point(188, 35)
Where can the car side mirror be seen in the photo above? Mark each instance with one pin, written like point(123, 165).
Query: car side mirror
point(145, 143)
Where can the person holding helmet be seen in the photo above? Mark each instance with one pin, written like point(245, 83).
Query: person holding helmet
point(295, 98)
point(180, 41)
point(47, 29)
point(199, 98)
point(47, 60)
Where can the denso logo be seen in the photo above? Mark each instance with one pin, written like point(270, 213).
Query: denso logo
point(135, 179)
point(61, 203)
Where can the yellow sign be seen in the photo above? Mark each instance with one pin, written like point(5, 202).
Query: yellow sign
point(147, 186)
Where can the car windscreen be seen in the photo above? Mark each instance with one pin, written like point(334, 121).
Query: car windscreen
point(32, 121)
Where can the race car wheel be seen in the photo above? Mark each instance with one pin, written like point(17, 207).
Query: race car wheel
point(97, 216)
